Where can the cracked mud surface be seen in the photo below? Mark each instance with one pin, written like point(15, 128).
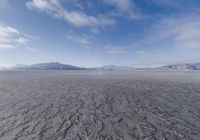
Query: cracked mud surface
point(101, 105)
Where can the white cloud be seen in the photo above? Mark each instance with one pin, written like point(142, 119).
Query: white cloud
point(23, 40)
point(121, 4)
point(82, 40)
point(166, 2)
point(3, 3)
point(6, 31)
point(114, 50)
point(95, 31)
point(183, 32)
point(31, 49)
point(6, 46)
point(77, 18)
point(170, 40)
point(81, 19)
point(11, 38)
point(8, 37)
point(40, 4)
point(140, 53)
point(126, 8)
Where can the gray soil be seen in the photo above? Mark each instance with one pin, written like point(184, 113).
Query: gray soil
point(99, 105)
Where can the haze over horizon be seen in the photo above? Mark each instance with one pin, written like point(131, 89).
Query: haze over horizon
point(137, 33)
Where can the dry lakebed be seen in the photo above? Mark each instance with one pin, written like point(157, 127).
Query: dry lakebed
point(99, 105)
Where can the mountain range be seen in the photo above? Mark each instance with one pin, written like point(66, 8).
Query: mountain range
point(59, 66)
point(180, 67)
point(114, 67)
point(47, 66)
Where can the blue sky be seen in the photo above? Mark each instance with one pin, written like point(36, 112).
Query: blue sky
point(99, 32)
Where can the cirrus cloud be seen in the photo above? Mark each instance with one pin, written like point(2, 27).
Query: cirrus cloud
point(120, 4)
point(124, 8)
point(183, 31)
point(82, 40)
point(11, 38)
point(77, 18)
point(113, 50)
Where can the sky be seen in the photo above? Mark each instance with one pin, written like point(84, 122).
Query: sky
point(89, 33)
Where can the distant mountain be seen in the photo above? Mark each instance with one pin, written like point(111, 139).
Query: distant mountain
point(179, 67)
point(59, 66)
point(114, 67)
point(47, 66)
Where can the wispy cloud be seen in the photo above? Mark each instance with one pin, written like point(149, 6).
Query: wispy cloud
point(3, 3)
point(8, 37)
point(113, 50)
point(120, 4)
point(31, 49)
point(11, 38)
point(82, 40)
point(124, 8)
point(169, 40)
point(77, 18)
point(181, 31)
point(173, 3)
point(23, 40)
point(6, 31)
point(140, 53)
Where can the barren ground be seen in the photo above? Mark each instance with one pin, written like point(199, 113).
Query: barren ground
point(98, 105)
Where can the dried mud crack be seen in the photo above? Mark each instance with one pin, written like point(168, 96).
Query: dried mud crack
point(106, 105)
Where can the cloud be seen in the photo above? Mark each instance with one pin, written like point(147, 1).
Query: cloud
point(6, 31)
point(167, 2)
point(3, 3)
point(120, 4)
point(113, 50)
point(140, 53)
point(31, 49)
point(11, 38)
point(95, 31)
point(182, 31)
point(82, 40)
point(77, 18)
point(6, 46)
point(124, 8)
point(8, 37)
point(169, 40)
point(23, 40)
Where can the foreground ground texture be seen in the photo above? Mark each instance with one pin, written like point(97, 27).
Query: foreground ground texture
point(98, 105)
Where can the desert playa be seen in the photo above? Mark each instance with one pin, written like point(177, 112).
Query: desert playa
point(99, 105)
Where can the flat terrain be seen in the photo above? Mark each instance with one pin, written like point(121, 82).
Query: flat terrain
point(98, 105)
